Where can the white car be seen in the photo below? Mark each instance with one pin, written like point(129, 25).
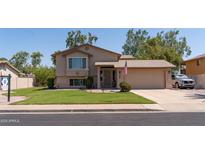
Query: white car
point(182, 81)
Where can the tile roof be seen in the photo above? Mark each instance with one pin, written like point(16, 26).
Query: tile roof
point(126, 57)
point(7, 63)
point(138, 64)
point(197, 57)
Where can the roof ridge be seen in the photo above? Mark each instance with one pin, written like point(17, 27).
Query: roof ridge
point(68, 49)
point(196, 57)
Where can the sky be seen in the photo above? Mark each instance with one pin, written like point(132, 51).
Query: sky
point(48, 40)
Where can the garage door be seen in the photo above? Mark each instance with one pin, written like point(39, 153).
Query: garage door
point(146, 78)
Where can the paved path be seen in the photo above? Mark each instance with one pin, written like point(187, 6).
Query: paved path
point(176, 100)
point(3, 99)
point(105, 119)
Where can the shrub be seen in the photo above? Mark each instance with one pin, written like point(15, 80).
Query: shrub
point(42, 74)
point(51, 83)
point(89, 82)
point(125, 87)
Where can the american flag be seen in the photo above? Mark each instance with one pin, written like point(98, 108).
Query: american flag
point(125, 68)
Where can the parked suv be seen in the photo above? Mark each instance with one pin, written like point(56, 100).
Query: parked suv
point(182, 81)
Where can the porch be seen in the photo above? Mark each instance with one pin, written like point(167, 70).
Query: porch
point(107, 77)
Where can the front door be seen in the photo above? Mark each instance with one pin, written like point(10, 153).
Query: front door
point(107, 78)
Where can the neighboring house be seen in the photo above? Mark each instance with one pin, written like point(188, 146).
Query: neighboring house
point(195, 68)
point(74, 65)
point(17, 79)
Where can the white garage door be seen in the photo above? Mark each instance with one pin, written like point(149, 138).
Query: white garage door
point(146, 78)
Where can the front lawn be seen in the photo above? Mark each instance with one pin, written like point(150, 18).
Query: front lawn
point(42, 96)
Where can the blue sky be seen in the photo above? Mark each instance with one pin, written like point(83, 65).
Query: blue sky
point(49, 40)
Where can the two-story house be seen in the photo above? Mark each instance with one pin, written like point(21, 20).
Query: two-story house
point(195, 68)
point(106, 67)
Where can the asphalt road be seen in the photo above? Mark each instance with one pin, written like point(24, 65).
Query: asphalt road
point(104, 119)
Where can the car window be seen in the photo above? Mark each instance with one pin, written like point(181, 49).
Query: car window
point(182, 76)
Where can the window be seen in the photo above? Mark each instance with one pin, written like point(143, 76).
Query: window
point(77, 82)
point(198, 62)
point(77, 63)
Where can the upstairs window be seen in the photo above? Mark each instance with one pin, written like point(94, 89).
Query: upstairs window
point(198, 62)
point(77, 63)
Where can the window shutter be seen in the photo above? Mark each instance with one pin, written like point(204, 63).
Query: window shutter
point(84, 62)
point(70, 62)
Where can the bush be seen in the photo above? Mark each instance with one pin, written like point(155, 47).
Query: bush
point(51, 83)
point(125, 87)
point(42, 74)
point(89, 82)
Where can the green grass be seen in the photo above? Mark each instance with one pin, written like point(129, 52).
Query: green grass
point(42, 96)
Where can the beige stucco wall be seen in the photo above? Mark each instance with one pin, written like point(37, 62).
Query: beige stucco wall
point(22, 83)
point(146, 78)
point(16, 81)
point(64, 81)
point(193, 69)
point(94, 55)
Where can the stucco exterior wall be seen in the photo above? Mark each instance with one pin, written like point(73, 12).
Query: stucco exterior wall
point(64, 81)
point(94, 55)
point(193, 69)
point(200, 80)
point(60, 65)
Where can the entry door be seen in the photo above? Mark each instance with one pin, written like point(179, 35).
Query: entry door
point(107, 78)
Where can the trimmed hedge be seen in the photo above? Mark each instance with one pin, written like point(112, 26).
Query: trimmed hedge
point(89, 82)
point(51, 83)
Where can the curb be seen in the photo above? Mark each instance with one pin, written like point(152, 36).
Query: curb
point(81, 110)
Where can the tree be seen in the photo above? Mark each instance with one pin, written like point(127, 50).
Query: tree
point(53, 58)
point(36, 58)
point(20, 60)
point(165, 46)
point(76, 38)
point(134, 41)
point(3, 59)
point(42, 74)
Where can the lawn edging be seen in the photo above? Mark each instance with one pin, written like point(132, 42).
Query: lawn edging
point(81, 108)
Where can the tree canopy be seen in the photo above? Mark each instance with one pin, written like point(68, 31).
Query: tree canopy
point(76, 38)
point(165, 45)
point(53, 58)
point(20, 60)
point(36, 58)
point(3, 59)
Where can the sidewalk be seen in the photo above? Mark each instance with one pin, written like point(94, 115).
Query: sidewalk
point(3, 99)
point(80, 108)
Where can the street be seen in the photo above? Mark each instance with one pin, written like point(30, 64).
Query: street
point(104, 119)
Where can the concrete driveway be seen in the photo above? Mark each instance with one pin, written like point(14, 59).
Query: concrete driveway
point(185, 100)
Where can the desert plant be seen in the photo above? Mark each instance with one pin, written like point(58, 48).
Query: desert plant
point(125, 87)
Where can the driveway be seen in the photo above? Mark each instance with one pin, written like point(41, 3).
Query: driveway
point(176, 100)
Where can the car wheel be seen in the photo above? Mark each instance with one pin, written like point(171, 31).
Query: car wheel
point(177, 85)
